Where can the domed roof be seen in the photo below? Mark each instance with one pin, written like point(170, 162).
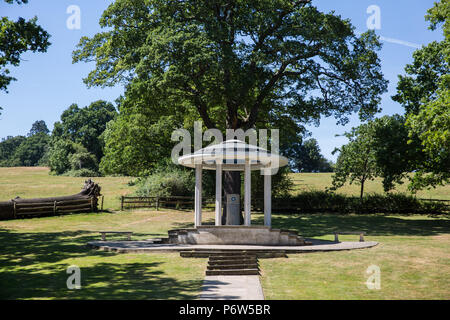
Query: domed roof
point(232, 154)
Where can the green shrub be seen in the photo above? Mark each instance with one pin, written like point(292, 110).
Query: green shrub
point(177, 182)
point(83, 160)
point(58, 156)
point(323, 201)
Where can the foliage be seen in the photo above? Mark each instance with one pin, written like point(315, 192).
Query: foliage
point(234, 64)
point(391, 151)
point(16, 38)
point(432, 126)
point(237, 62)
point(438, 15)
point(8, 146)
point(323, 201)
point(30, 151)
point(84, 126)
point(25, 151)
point(424, 93)
point(83, 160)
point(280, 182)
point(38, 127)
point(135, 143)
point(164, 183)
point(65, 156)
point(58, 156)
point(423, 77)
point(396, 151)
point(305, 156)
point(357, 159)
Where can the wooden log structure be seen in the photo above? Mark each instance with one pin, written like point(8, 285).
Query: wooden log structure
point(84, 201)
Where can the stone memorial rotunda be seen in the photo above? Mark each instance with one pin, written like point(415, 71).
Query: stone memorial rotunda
point(234, 155)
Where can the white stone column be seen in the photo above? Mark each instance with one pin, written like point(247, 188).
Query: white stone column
point(267, 198)
point(247, 193)
point(198, 195)
point(218, 193)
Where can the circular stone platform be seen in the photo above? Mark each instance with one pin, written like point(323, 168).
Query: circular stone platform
point(148, 246)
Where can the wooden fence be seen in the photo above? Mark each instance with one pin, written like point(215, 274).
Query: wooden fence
point(55, 207)
point(176, 202)
point(179, 202)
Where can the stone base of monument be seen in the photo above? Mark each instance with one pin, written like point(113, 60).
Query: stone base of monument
point(234, 235)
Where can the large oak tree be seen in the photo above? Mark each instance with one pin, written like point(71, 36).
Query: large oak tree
point(236, 63)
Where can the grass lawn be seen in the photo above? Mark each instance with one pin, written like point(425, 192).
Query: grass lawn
point(319, 181)
point(35, 182)
point(35, 254)
point(413, 254)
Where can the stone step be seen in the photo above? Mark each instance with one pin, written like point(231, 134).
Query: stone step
point(230, 262)
point(224, 252)
point(232, 272)
point(160, 240)
point(229, 257)
point(207, 254)
point(233, 266)
point(217, 254)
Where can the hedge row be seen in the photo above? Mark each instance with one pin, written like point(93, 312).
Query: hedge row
point(321, 201)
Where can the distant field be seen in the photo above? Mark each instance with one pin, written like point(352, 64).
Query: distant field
point(35, 182)
point(31, 182)
point(319, 181)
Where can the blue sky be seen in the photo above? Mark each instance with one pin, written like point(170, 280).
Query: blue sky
point(48, 82)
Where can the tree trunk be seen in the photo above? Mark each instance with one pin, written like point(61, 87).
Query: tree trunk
point(232, 185)
point(85, 200)
point(362, 191)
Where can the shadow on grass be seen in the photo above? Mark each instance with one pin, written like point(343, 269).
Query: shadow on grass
point(32, 266)
point(315, 225)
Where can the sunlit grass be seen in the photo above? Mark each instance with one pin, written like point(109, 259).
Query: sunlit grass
point(320, 181)
point(413, 254)
point(35, 254)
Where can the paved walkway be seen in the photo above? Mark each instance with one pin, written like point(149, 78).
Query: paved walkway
point(148, 246)
point(231, 288)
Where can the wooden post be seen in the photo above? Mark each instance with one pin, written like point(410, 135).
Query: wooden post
point(121, 204)
point(336, 237)
point(102, 204)
point(54, 208)
point(157, 203)
point(92, 204)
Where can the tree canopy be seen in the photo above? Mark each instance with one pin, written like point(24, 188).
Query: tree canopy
point(25, 151)
point(357, 160)
point(233, 64)
point(17, 37)
point(424, 92)
point(237, 62)
point(305, 156)
point(38, 127)
point(85, 125)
